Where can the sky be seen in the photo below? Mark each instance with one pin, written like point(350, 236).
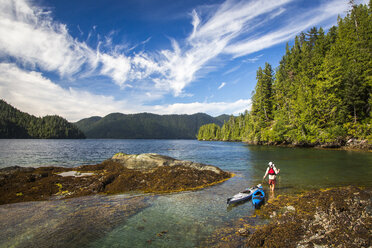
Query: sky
point(86, 58)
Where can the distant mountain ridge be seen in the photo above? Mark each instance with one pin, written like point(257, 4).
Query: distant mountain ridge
point(146, 126)
point(223, 118)
point(15, 124)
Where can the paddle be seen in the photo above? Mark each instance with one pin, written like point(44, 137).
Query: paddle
point(265, 181)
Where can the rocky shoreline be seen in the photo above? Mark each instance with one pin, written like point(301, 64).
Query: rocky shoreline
point(350, 144)
point(337, 217)
point(149, 173)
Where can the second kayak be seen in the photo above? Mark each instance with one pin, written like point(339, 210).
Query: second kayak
point(243, 195)
point(258, 197)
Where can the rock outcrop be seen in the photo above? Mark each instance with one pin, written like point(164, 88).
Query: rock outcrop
point(358, 144)
point(151, 161)
point(121, 173)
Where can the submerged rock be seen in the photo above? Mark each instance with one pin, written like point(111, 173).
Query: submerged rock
point(121, 173)
point(79, 222)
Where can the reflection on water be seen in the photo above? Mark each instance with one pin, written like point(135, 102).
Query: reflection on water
point(65, 223)
point(170, 220)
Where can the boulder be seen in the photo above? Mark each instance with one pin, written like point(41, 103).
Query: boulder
point(151, 161)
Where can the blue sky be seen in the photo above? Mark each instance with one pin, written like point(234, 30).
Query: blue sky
point(90, 58)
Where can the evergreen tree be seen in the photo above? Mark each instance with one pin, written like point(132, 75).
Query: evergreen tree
point(16, 124)
point(262, 98)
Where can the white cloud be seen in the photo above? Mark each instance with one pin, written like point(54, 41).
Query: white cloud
point(35, 94)
point(117, 67)
point(32, 93)
point(212, 108)
point(221, 85)
point(29, 35)
point(34, 39)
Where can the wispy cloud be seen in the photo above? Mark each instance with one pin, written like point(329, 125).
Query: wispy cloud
point(235, 68)
point(141, 43)
point(221, 85)
point(231, 29)
point(209, 39)
point(253, 60)
point(293, 27)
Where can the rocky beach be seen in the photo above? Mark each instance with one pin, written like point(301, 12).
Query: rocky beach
point(336, 217)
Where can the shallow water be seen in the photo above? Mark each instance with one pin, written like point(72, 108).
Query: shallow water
point(171, 220)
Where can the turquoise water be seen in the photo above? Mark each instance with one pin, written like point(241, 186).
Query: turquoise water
point(171, 220)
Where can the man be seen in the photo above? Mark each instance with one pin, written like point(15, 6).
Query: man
point(272, 171)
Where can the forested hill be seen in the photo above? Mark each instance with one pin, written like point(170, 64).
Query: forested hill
point(146, 126)
point(20, 125)
point(320, 92)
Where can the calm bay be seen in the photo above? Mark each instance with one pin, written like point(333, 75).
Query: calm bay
point(170, 220)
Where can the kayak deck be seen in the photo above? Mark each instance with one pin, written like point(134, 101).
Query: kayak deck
point(258, 198)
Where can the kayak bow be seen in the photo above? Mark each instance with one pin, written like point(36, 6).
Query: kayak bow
point(258, 197)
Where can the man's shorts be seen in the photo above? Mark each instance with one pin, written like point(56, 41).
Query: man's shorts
point(272, 182)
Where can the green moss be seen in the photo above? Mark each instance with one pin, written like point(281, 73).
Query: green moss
point(109, 177)
point(59, 186)
point(119, 154)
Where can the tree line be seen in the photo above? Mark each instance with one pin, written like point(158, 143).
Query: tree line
point(15, 124)
point(320, 92)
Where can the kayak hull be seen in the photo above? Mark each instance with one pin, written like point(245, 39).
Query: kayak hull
point(243, 196)
point(258, 198)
